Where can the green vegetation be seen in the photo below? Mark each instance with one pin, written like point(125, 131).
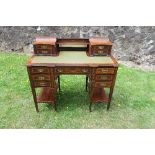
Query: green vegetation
point(133, 104)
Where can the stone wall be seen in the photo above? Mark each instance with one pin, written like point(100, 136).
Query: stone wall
point(131, 43)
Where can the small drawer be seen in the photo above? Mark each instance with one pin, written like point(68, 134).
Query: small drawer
point(105, 70)
point(43, 47)
point(41, 77)
point(72, 70)
point(42, 84)
point(104, 77)
point(40, 70)
point(43, 52)
point(101, 49)
point(100, 52)
point(103, 84)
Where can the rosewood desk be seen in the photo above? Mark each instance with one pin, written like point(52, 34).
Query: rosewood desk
point(44, 72)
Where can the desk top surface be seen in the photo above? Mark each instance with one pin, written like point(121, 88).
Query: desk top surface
point(72, 58)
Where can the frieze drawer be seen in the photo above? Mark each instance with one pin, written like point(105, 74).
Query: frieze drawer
point(42, 84)
point(72, 70)
point(105, 70)
point(103, 84)
point(40, 70)
point(104, 77)
point(41, 77)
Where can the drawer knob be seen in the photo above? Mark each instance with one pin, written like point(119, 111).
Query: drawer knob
point(44, 47)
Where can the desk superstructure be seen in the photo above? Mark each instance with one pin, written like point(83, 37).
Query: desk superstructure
point(54, 57)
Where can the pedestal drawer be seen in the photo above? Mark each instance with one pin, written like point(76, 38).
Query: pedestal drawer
point(39, 70)
point(41, 77)
point(105, 70)
point(103, 84)
point(104, 77)
point(42, 84)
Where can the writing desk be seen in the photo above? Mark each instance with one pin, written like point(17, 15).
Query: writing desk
point(44, 72)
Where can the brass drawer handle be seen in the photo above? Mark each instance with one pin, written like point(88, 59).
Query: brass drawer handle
point(41, 78)
point(59, 70)
point(40, 70)
point(44, 52)
point(84, 70)
point(39, 84)
point(44, 47)
point(104, 84)
point(105, 70)
point(104, 78)
point(100, 52)
point(42, 84)
point(101, 47)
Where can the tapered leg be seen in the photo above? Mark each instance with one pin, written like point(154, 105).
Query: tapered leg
point(110, 97)
point(59, 82)
point(90, 105)
point(35, 99)
point(108, 106)
point(55, 95)
point(36, 106)
point(55, 106)
point(111, 91)
point(86, 83)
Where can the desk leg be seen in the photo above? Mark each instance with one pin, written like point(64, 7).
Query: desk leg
point(90, 98)
point(35, 99)
point(86, 83)
point(59, 82)
point(90, 105)
point(110, 97)
point(33, 90)
point(55, 95)
point(111, 91)
point(55, 106)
